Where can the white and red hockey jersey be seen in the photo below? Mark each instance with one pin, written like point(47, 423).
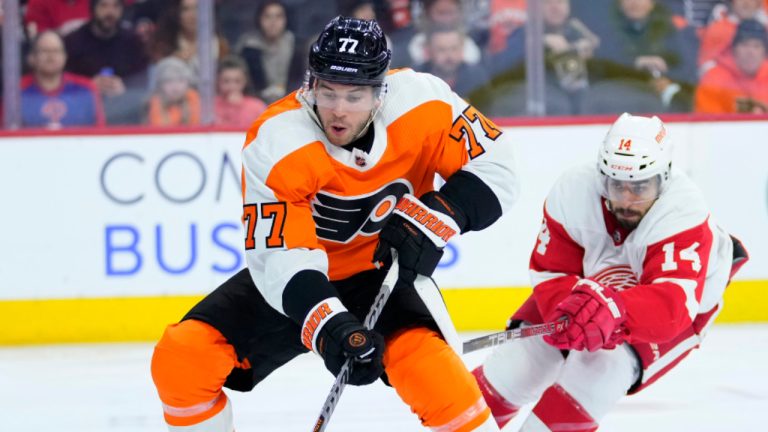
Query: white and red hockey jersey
point(673, 266)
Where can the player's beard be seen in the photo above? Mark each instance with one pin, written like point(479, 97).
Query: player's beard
point(622, 213)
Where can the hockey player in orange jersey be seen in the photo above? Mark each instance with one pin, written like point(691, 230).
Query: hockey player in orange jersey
point(630, 255)
point(334, 175)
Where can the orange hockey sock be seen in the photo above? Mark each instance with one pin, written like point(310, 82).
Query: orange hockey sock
point(431, 378)
point(190, 364)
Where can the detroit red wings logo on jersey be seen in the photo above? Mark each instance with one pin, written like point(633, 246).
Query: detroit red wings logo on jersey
point(618, 277)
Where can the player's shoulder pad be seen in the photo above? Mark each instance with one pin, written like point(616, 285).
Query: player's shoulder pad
point(680, 208)
point(284, 128)
point(574, 196)
point(408, 89)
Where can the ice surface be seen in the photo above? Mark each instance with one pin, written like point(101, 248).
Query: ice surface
point(107, 388)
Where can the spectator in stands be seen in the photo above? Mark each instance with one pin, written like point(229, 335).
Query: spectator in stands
point(235, 17)
point(445, 59)
point(275, 61)
point(174, 101)
point(144, 16)
point(741, 85)
point(568, 47)
point(445, 13)
point(645, 61)
point(505, 18)
point(116, 59)
point(176, 35)
point(363, 9)
point(62, 16)
point(696, 13)
point(51, 98)
point(717, 37)
point(303, 16)
point(233, 107)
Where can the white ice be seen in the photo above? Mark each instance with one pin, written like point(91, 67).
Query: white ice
point(107, 388)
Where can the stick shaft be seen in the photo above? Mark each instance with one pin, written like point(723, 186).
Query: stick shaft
point(370, 320)
point(494, 339)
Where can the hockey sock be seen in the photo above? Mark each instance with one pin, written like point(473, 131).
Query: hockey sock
point(431, 378)
point(557, 410)
point(502, 410)
point(190, 364)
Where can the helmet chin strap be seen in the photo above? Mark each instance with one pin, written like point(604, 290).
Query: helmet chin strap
point(367, 123)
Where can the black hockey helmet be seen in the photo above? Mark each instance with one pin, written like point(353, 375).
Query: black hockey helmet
point(350, 51)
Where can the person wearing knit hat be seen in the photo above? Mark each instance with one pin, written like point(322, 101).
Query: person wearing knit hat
point(740, 85)
point(174, 101)
point(750, 29)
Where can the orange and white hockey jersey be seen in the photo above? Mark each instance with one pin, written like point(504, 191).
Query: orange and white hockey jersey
point(310, 205)
point(672, 267)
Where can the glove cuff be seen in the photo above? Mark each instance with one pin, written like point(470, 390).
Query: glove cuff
point(606, 294)
point(439, 227)
point(318, 316)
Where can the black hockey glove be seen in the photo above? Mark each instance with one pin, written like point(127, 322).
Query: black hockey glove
point(419, 230)
point(343, 337)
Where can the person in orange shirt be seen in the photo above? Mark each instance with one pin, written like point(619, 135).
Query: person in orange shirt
point(335, 176)
point(717, 36)
point(741, 85)
point(174, 101)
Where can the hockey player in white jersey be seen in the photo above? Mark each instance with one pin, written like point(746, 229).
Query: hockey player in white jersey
point(629, 254)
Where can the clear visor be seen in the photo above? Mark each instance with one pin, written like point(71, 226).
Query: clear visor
point(629, 192)
point(343, 98)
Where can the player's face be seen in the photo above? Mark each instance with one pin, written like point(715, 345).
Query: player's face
point(344, 110)
point(631, 200)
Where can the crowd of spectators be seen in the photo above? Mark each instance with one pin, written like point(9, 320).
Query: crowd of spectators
point(130, 62)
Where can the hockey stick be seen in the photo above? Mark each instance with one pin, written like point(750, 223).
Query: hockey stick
point(508, 335)
point(430, 294)
point(343, 377)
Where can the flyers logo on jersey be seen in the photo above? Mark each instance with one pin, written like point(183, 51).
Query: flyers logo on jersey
point(341, 218)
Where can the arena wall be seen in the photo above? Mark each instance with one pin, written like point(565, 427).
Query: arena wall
point(109, 237)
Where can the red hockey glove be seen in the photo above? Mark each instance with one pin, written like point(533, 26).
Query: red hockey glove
point(419, 230)
point(595, 314)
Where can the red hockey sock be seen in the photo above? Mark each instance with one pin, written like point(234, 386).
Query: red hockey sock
point(558, 410)
point(502, 410)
